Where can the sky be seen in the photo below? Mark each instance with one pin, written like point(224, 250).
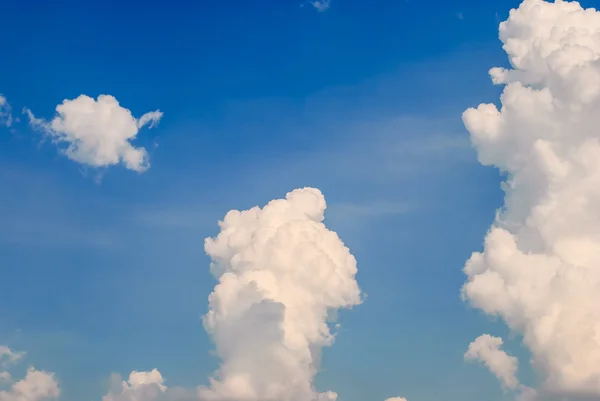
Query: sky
point(405, 222)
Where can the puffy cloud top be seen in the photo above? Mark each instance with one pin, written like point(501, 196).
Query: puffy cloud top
point(281, 275)
point(36, 386)
point(98, 132)
point(140, 386)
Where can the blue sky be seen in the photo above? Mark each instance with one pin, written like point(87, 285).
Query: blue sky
point(362, 100)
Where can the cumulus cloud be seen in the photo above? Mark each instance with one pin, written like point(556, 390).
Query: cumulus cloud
point(5, 112)
point(98, 133)
point(487, 349)
point(36, 386)
point(281, 275)
point(538, 270)
point(146, 386)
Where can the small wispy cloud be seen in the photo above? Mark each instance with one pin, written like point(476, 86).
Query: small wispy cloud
point(5, 377)
point(321, 5)
point(9, 357)
point(460, 15)
point(5, 112)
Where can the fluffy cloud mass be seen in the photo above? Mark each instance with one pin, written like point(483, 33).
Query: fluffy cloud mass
point(145, 386)
point(540, 267)
point(281, 274)
point(487, 349)
point(98, 133)
point(282, 277)
point(36, 386)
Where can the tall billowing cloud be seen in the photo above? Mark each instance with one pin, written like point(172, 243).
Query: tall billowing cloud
point(281, 275)
point(37, 385)
point(488, 350)
point(540, 267)
point(98, 133)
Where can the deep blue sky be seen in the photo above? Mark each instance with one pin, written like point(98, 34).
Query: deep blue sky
point(259, 97)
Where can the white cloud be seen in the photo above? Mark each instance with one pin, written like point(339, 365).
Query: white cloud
point(281, 274)
point(9, 357)
point(5, 112)
point(138, 379)
point(152, 117)
point(282, 277)
point(487, 349)
point(321, 5)
point(98, 132)
point(140, 386)
point(539, 267)
point(36, 386)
